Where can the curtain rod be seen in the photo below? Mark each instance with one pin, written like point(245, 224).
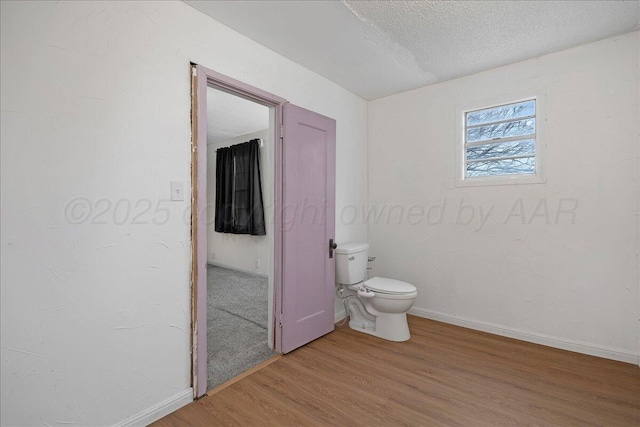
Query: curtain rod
point(254, 139)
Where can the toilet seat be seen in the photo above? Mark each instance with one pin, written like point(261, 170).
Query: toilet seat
point(386, 286)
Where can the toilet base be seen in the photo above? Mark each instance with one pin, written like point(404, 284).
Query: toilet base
point(392, 327)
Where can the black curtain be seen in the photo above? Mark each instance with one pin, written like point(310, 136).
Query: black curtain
point(239, 208)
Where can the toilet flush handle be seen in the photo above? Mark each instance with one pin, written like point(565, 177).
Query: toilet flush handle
point(332, 245)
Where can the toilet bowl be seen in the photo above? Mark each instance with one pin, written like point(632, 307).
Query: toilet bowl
point(380, 305)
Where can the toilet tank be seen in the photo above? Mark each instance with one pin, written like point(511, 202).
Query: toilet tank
point(351, 263)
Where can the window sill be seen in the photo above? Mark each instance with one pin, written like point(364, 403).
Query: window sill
point(501, 180)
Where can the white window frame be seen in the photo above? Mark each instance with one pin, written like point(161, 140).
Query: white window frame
point(461, 149)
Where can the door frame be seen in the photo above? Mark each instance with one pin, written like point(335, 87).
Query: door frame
point(201, 78)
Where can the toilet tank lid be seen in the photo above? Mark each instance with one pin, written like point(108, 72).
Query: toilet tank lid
point(352, 248)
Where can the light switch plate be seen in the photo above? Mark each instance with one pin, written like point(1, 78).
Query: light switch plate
point(177, 190)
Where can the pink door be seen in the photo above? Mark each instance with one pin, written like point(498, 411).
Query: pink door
point(308, 215)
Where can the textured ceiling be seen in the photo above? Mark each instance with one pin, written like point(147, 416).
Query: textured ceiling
point(229, 116)
point(451, 39)
point(378, 48)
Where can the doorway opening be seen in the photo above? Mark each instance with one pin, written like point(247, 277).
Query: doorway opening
point(239, 262)
point(202, 81)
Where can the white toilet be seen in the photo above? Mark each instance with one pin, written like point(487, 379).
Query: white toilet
point(381, 305)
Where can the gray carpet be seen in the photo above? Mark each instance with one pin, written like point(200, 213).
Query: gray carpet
point(236, 325)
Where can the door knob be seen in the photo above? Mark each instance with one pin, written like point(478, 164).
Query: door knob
point(332, 245)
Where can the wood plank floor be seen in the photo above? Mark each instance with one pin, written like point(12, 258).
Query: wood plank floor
point(444, 376)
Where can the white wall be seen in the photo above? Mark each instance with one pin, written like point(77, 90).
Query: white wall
point(242, 251)
point(95, 317)
point(562, 281)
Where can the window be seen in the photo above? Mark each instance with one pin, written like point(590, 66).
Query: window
point(239, 208)
point(501, 141)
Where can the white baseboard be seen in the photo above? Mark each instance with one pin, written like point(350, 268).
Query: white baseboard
point(339, 315)
point(577, 346)
point(160, 410)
